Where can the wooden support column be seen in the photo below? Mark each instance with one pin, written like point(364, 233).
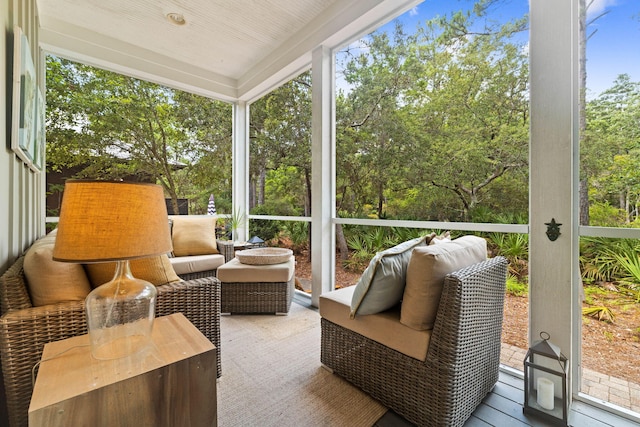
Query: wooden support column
point(554, 304)
point(240, 186)
point(323, 173)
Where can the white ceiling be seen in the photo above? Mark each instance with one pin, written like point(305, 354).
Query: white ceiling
point(228, 49)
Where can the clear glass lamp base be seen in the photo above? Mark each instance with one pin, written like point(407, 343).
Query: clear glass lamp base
point(120, 315)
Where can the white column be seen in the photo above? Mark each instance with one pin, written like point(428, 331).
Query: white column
point(241, 166)
point(554, 304)
point(322, 173)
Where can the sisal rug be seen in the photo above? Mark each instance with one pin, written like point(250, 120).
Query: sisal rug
point(272, 376)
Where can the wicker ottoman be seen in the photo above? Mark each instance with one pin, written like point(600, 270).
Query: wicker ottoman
point(248, 288)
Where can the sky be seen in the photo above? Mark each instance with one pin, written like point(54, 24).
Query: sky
point(612, 49)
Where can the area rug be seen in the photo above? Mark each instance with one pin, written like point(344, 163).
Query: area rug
point(272, 376)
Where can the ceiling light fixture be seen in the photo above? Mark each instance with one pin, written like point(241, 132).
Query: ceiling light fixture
point(176, 18)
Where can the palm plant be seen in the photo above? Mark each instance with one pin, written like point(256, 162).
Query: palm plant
point(514, 247)
point(298, 233)
point(597, 259)
point(599, 312)
point(365, 242)
point(235, 221)
point(629, 263)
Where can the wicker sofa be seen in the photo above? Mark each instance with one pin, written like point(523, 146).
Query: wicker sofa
point(198, 266)
point(462, 349)
point(25, 329)
point(196, 252)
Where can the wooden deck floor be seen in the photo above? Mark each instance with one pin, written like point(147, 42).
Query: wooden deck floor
point(503, 407)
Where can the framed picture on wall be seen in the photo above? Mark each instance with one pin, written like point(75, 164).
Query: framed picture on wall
point(23, 107)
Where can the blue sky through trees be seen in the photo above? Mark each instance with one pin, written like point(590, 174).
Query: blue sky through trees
point(613, 47)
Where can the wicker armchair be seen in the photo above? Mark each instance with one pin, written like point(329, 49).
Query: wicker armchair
point(24, 329)
point(462, 360)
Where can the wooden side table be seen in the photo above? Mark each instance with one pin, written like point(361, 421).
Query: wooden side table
point(173, 383)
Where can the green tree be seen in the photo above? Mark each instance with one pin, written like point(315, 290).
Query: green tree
point(612, 146)
point(209, 125)
point(474, 100)
point(116, 126)
point(375, 133)
point(435, 123)
point(65, 116)
point(280, 151)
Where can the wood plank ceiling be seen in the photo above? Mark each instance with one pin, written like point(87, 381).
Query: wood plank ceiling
point(228, 47)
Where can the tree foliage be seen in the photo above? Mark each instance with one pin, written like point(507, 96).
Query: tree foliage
point(430, 125)
point(611, 147)
point(280, 150)
point(115, 126)
point(435, 123)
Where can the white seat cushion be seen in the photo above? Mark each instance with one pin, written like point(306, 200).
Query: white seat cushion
point(236, 272)
point(196, 263)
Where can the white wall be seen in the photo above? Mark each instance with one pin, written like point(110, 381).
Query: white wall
point(22, 191)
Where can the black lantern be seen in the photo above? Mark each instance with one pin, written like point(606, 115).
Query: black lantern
point(545, 382)
point(256, 242)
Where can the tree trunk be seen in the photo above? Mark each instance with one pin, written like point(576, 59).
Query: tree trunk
point(262, 178)
point(627, 207)
point(174, 204)
point(307, 201)
point(380, 200)
point(341, 241)
point(584, 202)
point(584, 180)
point(252, 193)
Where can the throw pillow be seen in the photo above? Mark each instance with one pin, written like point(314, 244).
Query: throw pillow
point(49, 281)
point(381, 285)
point(426, 272)
point(156, 270)
point(194, 235)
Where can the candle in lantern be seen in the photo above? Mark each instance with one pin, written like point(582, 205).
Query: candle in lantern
point(545, 393)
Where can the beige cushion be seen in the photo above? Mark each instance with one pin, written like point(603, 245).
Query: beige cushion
point(50, 281)
point(425, 277)
point(194, 235)
point(156, 270)
point(196, 263)
point(382, 283)
point(234, 271)
point(384, 327)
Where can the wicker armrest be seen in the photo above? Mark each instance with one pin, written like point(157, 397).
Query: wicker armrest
point(464, 355)
point(199, 301)
point(13, 288)
point(23, 333)
point(226, 248)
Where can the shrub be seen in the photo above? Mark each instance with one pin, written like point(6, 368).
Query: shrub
point(516, 288)
point(266, 229)
point(514, 247)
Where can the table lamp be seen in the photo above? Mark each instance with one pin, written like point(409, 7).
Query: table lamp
point(104, 221)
